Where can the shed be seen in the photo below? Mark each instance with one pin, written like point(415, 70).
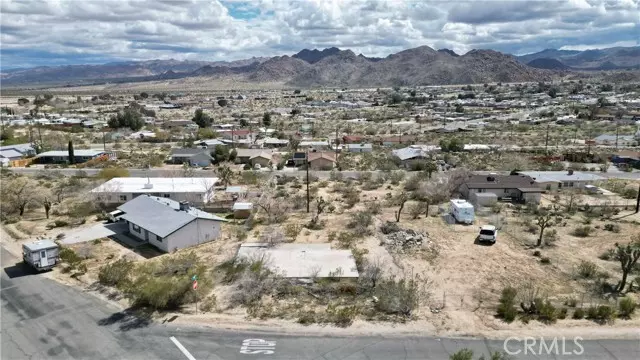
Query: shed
point(41, 254)
point(242, 210)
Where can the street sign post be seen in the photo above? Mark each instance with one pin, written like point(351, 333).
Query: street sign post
point(194, 278)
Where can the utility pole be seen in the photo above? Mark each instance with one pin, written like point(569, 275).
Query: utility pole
point(617, 128)
point(589, 140)
point(546, 141)
point(337, 146)
point(308, 197)
point(638, 201)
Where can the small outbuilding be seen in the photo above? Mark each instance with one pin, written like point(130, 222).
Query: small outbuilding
point(242, 210)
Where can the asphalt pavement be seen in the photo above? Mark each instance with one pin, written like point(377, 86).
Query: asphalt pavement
point(42, 319)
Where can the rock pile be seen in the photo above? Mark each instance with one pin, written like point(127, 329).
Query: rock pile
point(404, 240)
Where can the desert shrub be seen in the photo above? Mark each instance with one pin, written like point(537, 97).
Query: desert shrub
point(346, 239)
point(209, 303)
point(116, 273)
point(335, 175)
point(360, 223)
point(464, 354)
point(582, 231)
point(81, 209)
point(571, 302)
point(626, 307)
point(562, 314)
point(401, 296)
point(602, 314)
point(609, 254)
point(113, 172)
point(67, 255)
point(506, 308)
point(164, 283)
point(395, 177)
point(375, 207)
point(291, 231)
point(351, 197)
point(307, 317)
point(545, 261)
point(537, 253)
point(578, 314)
point(587, 269)
point(57, 223)
point(612, 227)
point(255, 281)
point(340, 316)
point(389, 227)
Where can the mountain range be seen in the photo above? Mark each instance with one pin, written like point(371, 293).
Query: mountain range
point(616, 58)
point(342, 68)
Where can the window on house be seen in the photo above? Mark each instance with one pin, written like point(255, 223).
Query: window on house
point(571, 184)
point(166, 195)
point(159, 238)
point(123, 197)
point(506, 191)
point(481, 190)
point(136, 228)
point(565, 184)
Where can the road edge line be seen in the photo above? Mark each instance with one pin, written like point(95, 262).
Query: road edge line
point(184, 350)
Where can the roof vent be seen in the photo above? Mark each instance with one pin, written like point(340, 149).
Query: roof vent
point(184, 206)
point(570, 172)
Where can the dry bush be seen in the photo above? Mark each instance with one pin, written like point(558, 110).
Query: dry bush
point(401, 296)
point(253, 282)
point(116, 273)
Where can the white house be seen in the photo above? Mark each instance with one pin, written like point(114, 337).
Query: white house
point(623, 140)
point(359, 148)
point(556, 180)
point(167, 224)
point(192, 189)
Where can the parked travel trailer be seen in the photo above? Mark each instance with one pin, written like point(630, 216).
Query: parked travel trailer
point(42, 254)
point(462, 211)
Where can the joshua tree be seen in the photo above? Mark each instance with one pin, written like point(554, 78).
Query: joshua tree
point(628, 256)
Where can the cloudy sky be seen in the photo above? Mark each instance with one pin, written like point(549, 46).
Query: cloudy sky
point(59, 32)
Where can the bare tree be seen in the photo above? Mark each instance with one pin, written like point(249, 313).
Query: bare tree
point(272, 236)
point(276, 210)
point(47, 206)
point(321, 204)
point(628, 256)
point(400, 200)
point(19, 193)
point(544, 220)
point(573, 197)
point(429, 193)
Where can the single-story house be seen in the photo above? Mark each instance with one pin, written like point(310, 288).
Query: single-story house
point(299, 158)
point(314, 145)
point(262, 158)
point(412, 153)
point(557, 180)
point(242, 210)
point(144, 134)
point(359, 148)
point(352, 139)
point(322, 160)
point(248, 156)
point(517, 188)
point(238, 134)
point(79, 155)
point(302, 261)
point(167, 224)
point(275, 143)
point(626, 157)
point(24, 149)
point(119, 190)
point(194, 157)
point(177, 123)
point(211, 143)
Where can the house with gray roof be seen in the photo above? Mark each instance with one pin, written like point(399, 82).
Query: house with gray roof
point(490, 188)
point(194, 157)
point(359, 148)
point(79, 155)
point(168, 224)
point(623, 140)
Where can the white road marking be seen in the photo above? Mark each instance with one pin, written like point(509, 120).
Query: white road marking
point(258, 346)
point(182, 348)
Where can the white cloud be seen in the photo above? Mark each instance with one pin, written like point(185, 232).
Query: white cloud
point(234, 29)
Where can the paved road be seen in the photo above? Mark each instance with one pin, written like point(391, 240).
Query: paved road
point(42, 319)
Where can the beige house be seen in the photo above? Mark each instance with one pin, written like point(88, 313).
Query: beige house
point(322, 160)
point(263, 158)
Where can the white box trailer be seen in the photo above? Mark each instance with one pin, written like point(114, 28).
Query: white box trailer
point(42, 254)
point(462, 211)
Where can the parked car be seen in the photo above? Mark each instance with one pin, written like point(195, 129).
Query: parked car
point(488, 233)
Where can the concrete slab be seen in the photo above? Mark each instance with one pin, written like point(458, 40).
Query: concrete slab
point(93, 232)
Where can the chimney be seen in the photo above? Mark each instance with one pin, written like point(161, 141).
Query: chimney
point(570, 172)
point(184, 206)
